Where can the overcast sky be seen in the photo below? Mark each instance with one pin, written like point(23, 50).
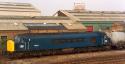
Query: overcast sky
point(49, 7)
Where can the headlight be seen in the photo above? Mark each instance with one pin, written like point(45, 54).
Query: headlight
point(21, 46)
point(105, 41)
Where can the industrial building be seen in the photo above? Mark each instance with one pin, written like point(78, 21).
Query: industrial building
point(19, 18)
point(96, 20)
point(11, 26)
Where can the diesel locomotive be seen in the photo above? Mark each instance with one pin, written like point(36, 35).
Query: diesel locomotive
point(40, 43)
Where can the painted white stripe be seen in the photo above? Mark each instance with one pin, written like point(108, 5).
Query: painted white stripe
point(36, 45)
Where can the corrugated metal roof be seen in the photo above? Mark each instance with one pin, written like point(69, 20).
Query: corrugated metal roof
point(94, 15)
point(18, 9)
point(95, 12)
point(12, 26)
point(40, 26)
point(14, 4)
point(27, 23)
point(34, 17)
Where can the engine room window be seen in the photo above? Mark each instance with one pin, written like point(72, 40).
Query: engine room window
point(62, 41)
point(74, 40)
point(59, 41)
point(56, 42)
point(80, 40)
point(93, 40)
point(69, 40)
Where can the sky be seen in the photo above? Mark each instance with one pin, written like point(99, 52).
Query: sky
point(49, 7)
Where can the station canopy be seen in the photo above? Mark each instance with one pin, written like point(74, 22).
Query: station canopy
point(44, 26)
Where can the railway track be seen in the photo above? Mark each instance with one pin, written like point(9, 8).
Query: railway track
point(97, 60)
point(107, 57)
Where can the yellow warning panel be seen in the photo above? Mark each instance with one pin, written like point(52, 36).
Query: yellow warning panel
point(10, 46)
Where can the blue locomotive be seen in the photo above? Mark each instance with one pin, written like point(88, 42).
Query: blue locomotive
point(28, 43)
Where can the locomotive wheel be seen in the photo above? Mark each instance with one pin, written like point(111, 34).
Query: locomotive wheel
point(10, 55)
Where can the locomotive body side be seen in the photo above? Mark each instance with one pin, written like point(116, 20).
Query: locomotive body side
point(58, 41)
point(41, 42)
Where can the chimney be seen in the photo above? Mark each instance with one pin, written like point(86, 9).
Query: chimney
point(79, 7)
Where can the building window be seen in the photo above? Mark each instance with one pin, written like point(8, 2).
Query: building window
point(4, 38)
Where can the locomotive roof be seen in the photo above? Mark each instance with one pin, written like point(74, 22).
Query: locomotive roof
point(57, 34)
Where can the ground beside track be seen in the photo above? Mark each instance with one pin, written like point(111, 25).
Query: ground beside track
point(105, 57)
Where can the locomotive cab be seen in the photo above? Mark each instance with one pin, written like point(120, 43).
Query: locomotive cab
point(107, 41)
point(20, 43)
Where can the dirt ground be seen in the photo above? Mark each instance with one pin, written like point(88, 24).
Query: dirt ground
point(80, 58)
